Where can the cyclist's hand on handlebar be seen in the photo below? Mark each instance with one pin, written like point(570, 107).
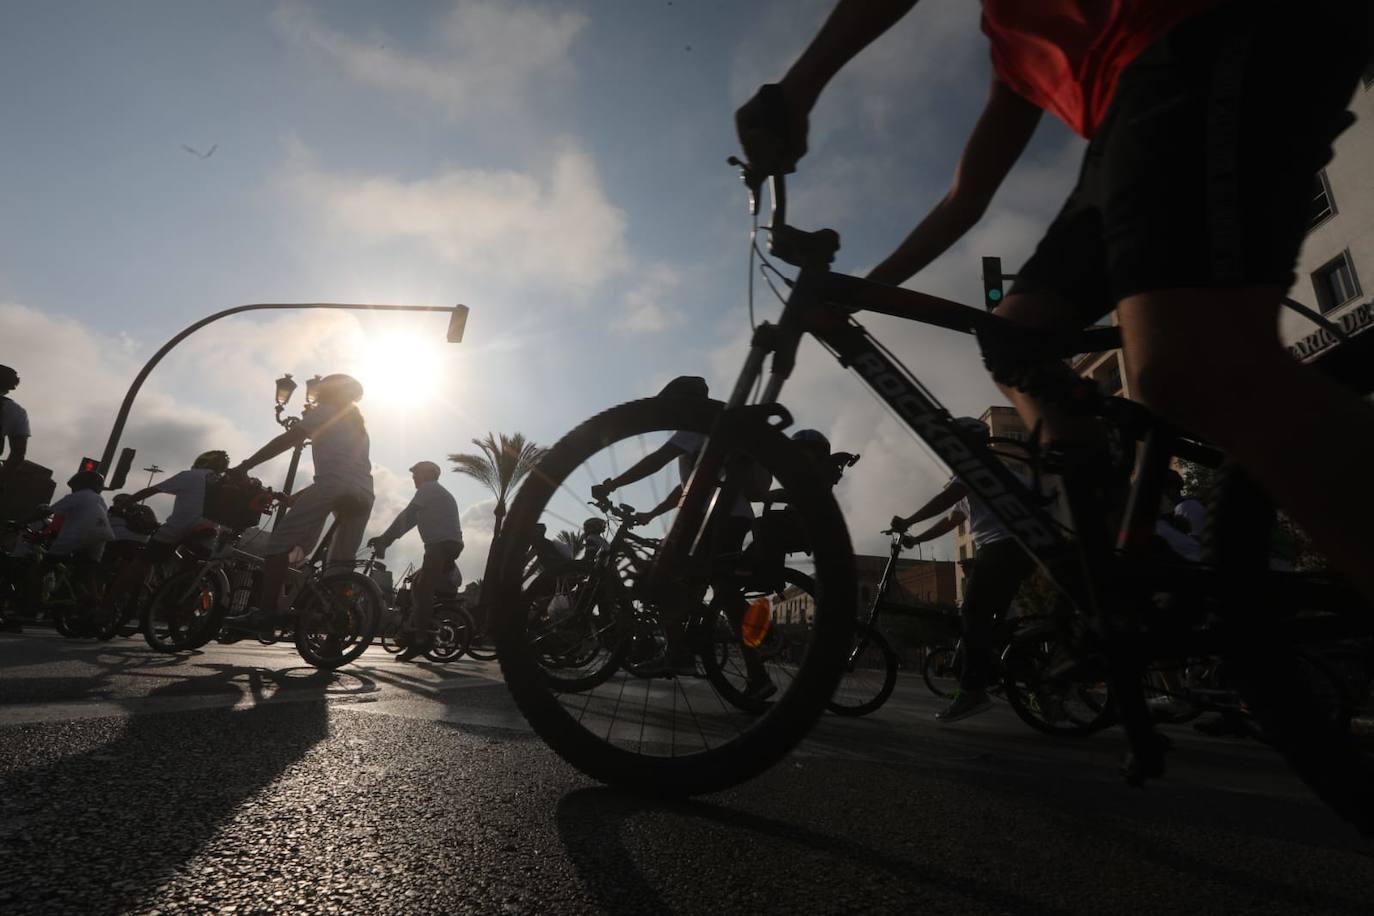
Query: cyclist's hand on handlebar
point(772, 131)
point(642, 518)
point(909, 541)
point(898, 524)
point(601, 492)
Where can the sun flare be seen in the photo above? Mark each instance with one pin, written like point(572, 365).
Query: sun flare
point(401, 371)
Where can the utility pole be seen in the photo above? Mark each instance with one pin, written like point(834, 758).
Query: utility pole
point(153, 471)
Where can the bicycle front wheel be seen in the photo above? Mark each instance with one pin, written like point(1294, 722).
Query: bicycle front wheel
point(337, 616)
point(666, 729)
point(870, 675)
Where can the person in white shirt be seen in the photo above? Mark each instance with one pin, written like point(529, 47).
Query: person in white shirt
point(14, 426)
point(188, 511)
point(341, 449)
point(435, 512)
point(999, 566)
point(85, 522)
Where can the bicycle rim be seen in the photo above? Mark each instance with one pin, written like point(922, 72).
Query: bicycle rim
point(663, 734)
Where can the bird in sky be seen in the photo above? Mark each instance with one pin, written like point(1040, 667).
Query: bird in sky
point(198, 154)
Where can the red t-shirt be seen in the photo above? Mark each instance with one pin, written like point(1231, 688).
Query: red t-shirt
point(1065, 55)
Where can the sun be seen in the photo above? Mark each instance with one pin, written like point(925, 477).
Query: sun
point(401, 370)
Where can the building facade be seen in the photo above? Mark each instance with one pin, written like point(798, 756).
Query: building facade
point(1337, 260)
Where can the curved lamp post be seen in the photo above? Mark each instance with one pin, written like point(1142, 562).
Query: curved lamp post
point(457, 320)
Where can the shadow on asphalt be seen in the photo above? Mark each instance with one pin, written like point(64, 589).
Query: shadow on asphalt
point(591, 823)
point(143, 801)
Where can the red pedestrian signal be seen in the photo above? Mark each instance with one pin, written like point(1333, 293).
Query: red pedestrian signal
point(90, 464)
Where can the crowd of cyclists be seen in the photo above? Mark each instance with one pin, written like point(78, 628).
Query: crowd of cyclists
point(111, 551)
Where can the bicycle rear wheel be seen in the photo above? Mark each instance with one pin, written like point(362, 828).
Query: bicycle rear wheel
point(453, 630)
point(939, 670)
point(1068, 706)
point(184, 612)
point(336, 618)
point(669, 731)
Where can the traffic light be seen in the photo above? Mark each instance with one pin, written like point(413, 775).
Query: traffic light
point(89, 464)
point(992, 282)
point(457, 321)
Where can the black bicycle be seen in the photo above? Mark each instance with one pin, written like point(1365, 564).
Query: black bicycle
point(1256, 615)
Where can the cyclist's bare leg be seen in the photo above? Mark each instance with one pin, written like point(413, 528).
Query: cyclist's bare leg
point(274, 569)
point(1211, 361)
point(1046, 312)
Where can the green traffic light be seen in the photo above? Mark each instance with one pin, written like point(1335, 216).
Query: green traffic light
point(994, 294)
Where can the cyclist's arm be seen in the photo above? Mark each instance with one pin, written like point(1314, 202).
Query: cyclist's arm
point(282, 443)
point(143, 494)
point(943, 526)
point(940, 502)
point(19, 448)
point(669, 502)
point(850, 28)
point(999, 137)
point(649, 464)
point(404, 521)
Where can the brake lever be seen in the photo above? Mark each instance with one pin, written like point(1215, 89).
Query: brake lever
point(752, 180)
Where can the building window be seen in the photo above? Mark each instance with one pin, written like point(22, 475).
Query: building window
point(1335, 282)
point(1323, 206)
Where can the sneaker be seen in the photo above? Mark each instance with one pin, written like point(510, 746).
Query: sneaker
point(964, 704)
point(761, 689)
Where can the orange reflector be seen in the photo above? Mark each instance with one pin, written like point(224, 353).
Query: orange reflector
point(757, 620)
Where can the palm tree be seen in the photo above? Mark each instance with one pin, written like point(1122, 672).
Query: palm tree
point(503, 463)
point(575, 540)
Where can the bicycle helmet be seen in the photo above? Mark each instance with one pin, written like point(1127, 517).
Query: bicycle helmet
point(339, 388)
point(974, 427)
point(9, 379)
point(426, 470)
point(814, 441)
point(686, 386)
point(87, 480)
point(214, 460)
point(594, 526)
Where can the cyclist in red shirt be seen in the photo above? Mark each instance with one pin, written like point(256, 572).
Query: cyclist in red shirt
point(1207, 121)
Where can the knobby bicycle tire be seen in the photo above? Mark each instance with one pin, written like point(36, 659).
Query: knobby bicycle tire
point(748, 744)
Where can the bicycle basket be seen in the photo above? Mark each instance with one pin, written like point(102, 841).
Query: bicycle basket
point(236, 502)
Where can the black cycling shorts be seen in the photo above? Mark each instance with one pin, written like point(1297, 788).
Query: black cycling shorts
point(1201, 173)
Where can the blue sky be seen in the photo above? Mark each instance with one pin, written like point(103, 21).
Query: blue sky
point(557, 167)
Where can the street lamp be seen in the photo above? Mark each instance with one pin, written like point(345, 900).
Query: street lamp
point(286, 386)
point(457, 322)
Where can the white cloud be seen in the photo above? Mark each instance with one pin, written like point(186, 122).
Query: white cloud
point(646, 305)
point(556, 229)
point(72, 381)
point(490, 55)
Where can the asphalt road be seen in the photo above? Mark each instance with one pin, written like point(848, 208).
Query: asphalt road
point(237, 780)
